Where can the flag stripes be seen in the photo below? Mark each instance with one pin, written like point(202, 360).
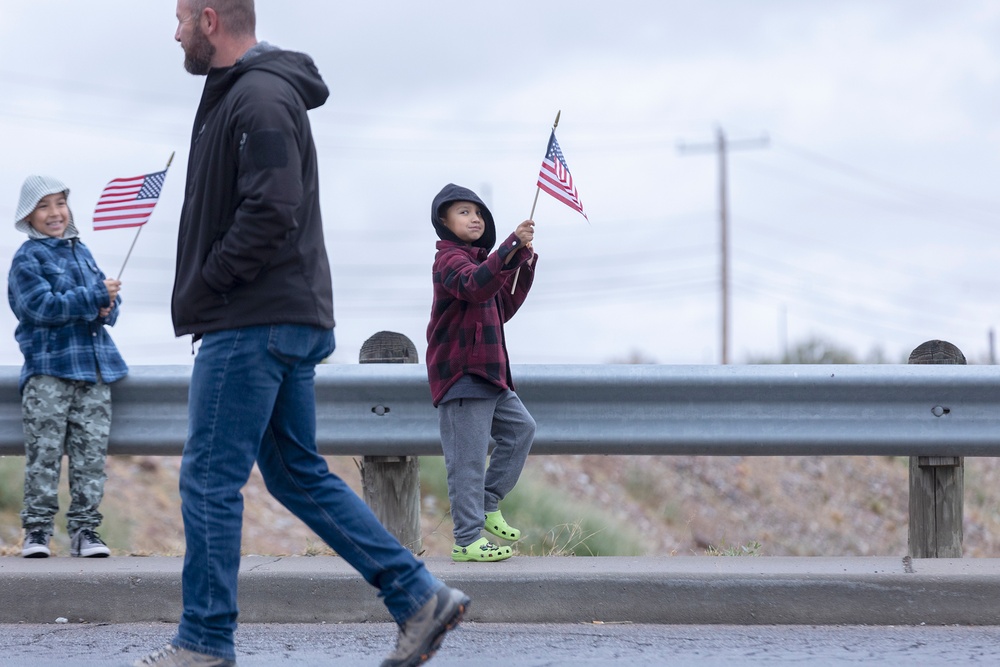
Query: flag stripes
point(555, 179)
point(128, 202)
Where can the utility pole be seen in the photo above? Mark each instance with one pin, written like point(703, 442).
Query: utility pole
point(721, 147)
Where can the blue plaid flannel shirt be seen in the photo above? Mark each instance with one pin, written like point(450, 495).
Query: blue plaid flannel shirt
point(56, 290)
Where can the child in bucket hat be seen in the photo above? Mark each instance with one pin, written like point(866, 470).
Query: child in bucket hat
point(62, 301)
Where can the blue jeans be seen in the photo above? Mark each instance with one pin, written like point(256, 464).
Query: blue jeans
point(252, 399)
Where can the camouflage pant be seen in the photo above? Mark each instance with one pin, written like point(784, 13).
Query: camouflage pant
point(71, 417)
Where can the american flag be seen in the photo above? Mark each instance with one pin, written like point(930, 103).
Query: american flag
point(128, 202)
point(555, 179)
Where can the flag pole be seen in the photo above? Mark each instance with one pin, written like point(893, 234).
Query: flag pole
point(517, 273)
point(136, 238)
point(129, 254)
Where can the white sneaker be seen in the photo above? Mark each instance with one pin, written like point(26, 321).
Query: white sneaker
point(36, 544)
point(88, 544)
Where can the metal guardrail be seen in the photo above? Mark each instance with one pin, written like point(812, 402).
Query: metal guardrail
point(385, 410)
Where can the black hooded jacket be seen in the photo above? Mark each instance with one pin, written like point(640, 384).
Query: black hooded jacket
point(250, 248)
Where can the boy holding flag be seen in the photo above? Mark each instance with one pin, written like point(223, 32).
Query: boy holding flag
point(62, 301)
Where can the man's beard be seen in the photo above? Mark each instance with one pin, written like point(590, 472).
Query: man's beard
point(199, 53)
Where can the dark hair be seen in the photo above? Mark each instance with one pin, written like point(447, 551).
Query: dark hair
point(238, 16)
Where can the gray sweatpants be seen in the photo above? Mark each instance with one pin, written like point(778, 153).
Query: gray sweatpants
point(64, 417)
point(466, 427)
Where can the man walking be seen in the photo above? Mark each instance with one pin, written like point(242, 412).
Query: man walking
point(253, 284)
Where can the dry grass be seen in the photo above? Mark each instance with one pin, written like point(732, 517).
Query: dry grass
point(825, 506)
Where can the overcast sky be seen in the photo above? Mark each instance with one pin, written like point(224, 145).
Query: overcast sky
point(867, 219)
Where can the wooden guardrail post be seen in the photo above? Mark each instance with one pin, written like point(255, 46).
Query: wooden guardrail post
point(391, 484)
point(937, 483)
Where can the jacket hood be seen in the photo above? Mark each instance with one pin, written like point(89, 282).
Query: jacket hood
point(32, 190)
point(452, 193)
point(298, 69)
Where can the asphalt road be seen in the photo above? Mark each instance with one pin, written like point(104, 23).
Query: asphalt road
point(521, 645)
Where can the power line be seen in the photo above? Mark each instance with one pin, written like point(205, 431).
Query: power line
point(867, 318)
point(926, 207)
point(904, 189)
point(862, 297)
point(914, 199)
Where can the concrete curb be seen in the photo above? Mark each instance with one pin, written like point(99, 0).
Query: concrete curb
point(672, 590)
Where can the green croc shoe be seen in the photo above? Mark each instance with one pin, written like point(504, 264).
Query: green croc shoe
point(496, 525)
point(481, 550)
